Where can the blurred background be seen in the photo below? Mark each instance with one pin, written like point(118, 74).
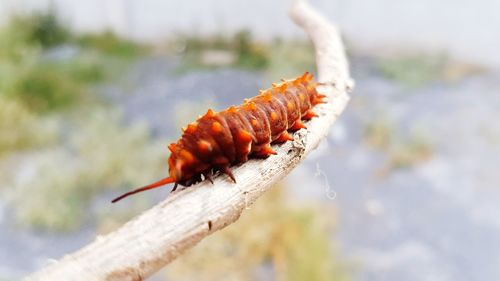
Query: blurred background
point(406, 186)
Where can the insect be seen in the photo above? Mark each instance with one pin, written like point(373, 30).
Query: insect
point(218, 140)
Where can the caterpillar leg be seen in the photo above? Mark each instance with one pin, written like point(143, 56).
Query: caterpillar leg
point(175, 187)
point(193, 180)
point(226, 170)
point(208, 176)
point(264, 152)
point(319, 98)
point(309, 115)
point(298, 125)
point(284, 137)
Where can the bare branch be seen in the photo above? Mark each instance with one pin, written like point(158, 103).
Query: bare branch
point(158, 236)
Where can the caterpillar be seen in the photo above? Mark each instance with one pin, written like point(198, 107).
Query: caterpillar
point(218, 140)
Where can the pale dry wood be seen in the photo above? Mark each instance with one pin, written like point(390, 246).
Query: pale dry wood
point(155, 238)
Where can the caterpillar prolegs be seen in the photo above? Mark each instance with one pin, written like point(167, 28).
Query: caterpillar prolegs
point(218, 140)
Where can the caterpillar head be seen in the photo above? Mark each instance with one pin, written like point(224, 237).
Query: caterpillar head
point(175, 162)
point(183, 165)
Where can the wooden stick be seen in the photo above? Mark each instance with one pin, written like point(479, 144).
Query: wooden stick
point(159, 235)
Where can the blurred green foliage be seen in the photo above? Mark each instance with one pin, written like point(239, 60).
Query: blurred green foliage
point(239, 50)
point(101, 155)
point(379, 133)
point(45, 87)
point(402, 151)
point(46, 30)
point(37, 89)
point(420, 69)
point(412, 70)
point(41, 29)
point(278, 59)
point(109, 43)
point(413, 150)
point(250, 54)
point(291, 241)
point(45, 84)
point(41, 85)
point(289, 59)
point(20, 129)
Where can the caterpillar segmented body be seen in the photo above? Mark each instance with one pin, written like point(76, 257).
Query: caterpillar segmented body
point(216, 141)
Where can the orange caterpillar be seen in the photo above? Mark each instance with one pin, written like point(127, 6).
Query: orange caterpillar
point(216, 141)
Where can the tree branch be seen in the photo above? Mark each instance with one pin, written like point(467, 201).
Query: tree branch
point(158, 236)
